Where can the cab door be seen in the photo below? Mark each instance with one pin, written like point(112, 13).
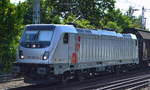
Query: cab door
point(72, 50)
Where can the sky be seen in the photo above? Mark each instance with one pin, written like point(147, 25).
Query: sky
point(136, 4)
point(16, 1)
point(124, 5)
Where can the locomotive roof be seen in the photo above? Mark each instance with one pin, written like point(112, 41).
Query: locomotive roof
point(47, 25)
point(105, 32)
point(72, 29)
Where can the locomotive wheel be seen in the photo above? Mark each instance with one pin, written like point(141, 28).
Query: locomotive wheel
point(65, 77)
point(80, 76)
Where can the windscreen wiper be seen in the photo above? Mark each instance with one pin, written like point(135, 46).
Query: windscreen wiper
point(36, 36)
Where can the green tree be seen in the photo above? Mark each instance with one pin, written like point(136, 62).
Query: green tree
point(26, 11)
point(92, 10)
point(10, 26)
point(113, 25)
point(122, 21)
point(48, 14)
point(80, 23)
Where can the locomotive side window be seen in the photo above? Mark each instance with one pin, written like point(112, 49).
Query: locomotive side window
point(66, 38)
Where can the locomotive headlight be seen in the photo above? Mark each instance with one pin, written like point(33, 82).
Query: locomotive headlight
point(46, 55)
point(22, 57)
point(21, 54)
point(33, 45)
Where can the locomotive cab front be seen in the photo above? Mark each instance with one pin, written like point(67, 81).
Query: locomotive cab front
point(35, 44)
point(34, 51)
point(39, 52)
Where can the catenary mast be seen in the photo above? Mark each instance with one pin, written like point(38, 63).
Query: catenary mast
point(36, 12)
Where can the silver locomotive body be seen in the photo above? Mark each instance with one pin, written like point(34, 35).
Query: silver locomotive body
point(48, 51)
point(35, 56)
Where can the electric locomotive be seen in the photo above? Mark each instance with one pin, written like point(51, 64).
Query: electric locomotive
point(50, 51)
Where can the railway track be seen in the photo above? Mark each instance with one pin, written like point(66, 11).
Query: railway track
point(9, 77)
point(130, 81)
point(8, 81)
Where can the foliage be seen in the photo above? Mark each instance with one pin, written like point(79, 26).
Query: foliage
point(82, 23)
point(10, 26)
point(96, 13)
point(113, 25)
point(91, 10)
point(26, 11)
point(119, 21)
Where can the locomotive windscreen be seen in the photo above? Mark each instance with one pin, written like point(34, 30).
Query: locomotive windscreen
point(37, 36)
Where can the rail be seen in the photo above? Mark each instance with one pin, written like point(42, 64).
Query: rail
point(130, 81)
point(9, 77)
point(124, 84)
